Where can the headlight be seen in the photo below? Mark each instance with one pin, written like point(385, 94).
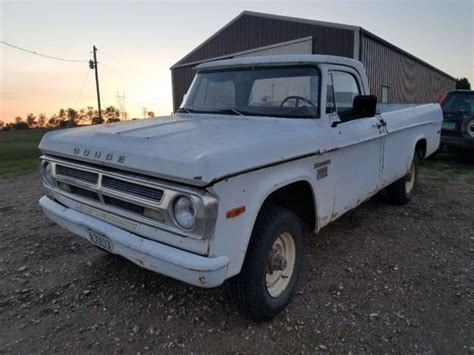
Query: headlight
point(47, 173)
point(184, 212)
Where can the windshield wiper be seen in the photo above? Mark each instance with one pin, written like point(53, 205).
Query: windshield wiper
point(230, 111)
point(185, 110)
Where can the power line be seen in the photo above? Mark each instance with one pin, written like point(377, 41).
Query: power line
point(111, 57)
point(80, 93)
point(82, 87)
point(43, 55)
point(112, 70)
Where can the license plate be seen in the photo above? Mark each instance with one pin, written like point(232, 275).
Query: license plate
point(449, 125)
point(101, 241)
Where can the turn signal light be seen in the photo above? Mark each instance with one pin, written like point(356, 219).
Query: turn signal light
point(235, 212)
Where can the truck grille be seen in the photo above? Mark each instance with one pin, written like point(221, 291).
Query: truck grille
point(108, 188)
point(81, 175)
point(132, 188)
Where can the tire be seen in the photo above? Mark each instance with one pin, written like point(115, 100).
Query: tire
point(402, 190)
point(467, 129)
point(258, 291)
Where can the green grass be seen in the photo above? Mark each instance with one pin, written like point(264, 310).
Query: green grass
point(19, 151)
point(448, 165)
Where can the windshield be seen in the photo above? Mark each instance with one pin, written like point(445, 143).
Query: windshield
point(291, 92)
point(459, 102)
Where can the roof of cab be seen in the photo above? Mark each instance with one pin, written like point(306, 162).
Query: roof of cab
point(281, 60)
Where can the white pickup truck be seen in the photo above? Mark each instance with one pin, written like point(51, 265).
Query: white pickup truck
point(221, 189)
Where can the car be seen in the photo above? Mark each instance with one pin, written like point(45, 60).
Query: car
point(458, 119)
point(222, 189)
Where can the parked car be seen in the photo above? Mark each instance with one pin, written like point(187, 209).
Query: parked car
point(458, 119)
point(220, 190)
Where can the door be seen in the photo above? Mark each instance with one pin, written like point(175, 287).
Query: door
point(358, 159)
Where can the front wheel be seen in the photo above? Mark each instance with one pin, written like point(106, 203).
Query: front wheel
point(272, 264)
point(401, 191)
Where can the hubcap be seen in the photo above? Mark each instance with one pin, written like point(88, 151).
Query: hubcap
point(410, 179)
point(280, 264)
point(470, 128)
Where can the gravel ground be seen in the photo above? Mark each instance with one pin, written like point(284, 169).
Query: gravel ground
point(380, 279)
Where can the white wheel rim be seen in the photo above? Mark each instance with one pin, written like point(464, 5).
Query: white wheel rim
point(410, 179)
point(283, 252)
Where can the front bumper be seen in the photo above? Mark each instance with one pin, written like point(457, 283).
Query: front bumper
point(457, 142)
point(181, 265)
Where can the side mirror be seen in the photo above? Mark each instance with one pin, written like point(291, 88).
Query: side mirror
point(364, 106)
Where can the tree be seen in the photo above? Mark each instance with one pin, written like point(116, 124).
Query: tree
point(90, 114)
point(31, 120)
point(111, 114)
point(53, 121)
point(151, 114)
point(41, 120)
point(72, 117)
point(18, 119)
point(463, 84)
point(1, 124)
point(62, 116)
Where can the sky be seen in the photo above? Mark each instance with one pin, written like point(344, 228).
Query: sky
point(139, 41)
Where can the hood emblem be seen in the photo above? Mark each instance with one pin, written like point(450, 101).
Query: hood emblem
point(99, 155)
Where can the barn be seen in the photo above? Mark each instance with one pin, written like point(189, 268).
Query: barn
point(395, 76)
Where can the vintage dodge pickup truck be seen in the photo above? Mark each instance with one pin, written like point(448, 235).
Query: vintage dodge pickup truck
point(259, 148)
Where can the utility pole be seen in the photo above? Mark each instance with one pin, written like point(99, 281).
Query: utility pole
point(93, 65)
point(121, 103)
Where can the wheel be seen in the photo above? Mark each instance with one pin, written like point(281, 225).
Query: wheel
point(401, 191)
point(467, 129)
point(272, 264)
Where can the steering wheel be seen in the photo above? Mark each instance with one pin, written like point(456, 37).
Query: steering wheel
point(298, 98)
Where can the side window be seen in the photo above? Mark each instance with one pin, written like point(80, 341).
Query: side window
point(345, 89)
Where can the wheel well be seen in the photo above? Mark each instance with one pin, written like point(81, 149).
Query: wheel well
point(297, 197)
point(420, 148)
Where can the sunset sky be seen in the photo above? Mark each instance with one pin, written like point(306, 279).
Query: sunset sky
point(139, 42)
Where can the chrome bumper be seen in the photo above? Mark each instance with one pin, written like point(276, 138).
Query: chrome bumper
point(181, 265)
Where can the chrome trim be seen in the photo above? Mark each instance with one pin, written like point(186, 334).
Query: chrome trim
point(205, 203)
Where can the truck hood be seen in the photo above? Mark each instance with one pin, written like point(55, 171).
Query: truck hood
point(195, 149)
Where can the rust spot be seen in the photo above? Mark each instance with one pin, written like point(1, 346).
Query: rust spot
point(201, 280)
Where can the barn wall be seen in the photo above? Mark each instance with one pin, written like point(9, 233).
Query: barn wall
point(250, 32)
point(181, 79)
point(410, 80)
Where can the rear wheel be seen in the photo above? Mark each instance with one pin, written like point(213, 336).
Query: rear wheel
point(401, 191)
point(467, 129)
point(272, 264)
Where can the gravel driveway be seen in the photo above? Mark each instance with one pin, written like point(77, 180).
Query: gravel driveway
point(380, 279)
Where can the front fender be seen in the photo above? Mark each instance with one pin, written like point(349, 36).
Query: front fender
point(251, 190)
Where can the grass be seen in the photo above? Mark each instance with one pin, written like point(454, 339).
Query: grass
point(19, 151)
point(448, 165)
